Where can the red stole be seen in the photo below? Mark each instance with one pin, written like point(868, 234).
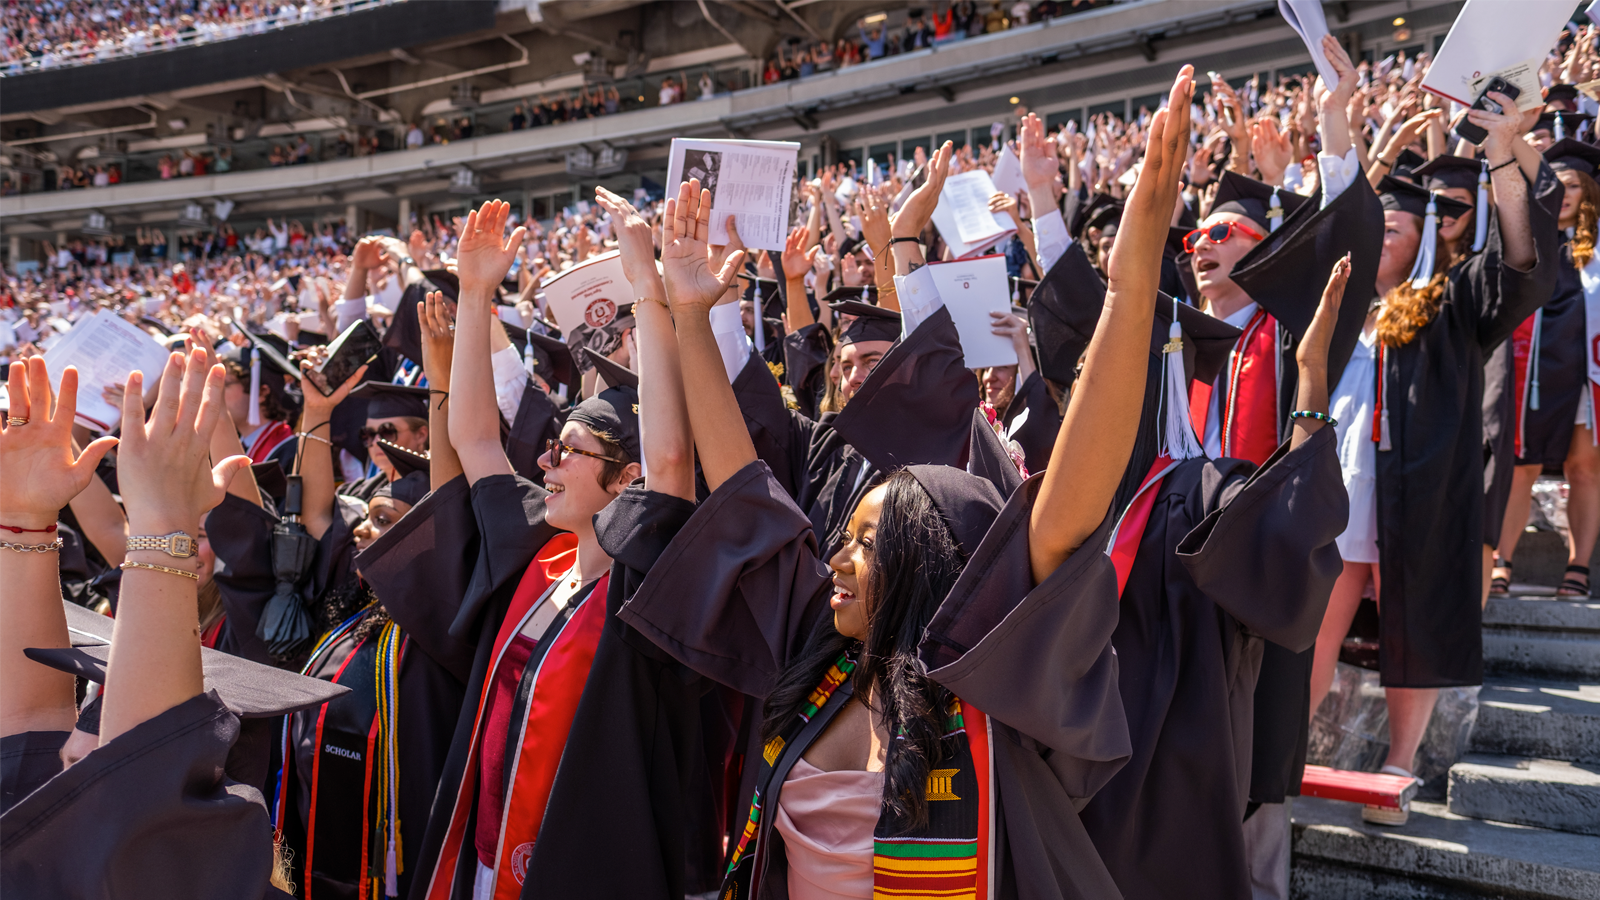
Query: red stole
point(1521, 357)
point(1130, 528)
point(562, 670)
point(269, 440)
point(1250, 411)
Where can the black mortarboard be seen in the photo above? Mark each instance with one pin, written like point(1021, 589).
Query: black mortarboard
point(772, 301)
point(1062, 326)
point(249, 689)
point(863, 292)
point(1407, 163)
point(615, 374)
point(1570, 121)
point(1287, 272)
point(389, 400)
point(1080, 218)
point(272, 360)
point(552, 359)
point(408, 489)
point(404, 334)
point(1561, 93)
point(1106, 218)
point(872, 323)
point(405, 461)
point(442, 280)
point(270, 479)
point(155, 323)
point(1403, 196)
point(1575, 155)
point(805, 352)
point(1253, 199)
point(614, 411)
point(517, 335)
point(892, 421)
point(989, 459)
point(1449, 171)
point(967, 503)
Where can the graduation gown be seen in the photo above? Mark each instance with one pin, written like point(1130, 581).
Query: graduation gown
point(1230, 557)
point(1430, 484)
point(149, 814)
point(538, 420)
point(1499, 439)
point(1037, 437)
point(1561, 368)
point(327, 801)
point(1035, 659)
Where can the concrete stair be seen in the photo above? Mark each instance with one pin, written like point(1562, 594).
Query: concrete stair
point(1522, 820)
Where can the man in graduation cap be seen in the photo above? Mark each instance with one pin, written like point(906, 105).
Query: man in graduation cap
point(869, 333)
point(1100, 232)
point(1557, 125)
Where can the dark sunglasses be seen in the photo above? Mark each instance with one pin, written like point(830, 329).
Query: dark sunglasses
point(556, 449)
point(387, 431)
point(1219, 234)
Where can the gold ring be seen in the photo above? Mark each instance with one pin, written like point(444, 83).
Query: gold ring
point(16, 420)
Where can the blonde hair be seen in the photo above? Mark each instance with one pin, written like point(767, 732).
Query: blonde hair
point(1584, 234)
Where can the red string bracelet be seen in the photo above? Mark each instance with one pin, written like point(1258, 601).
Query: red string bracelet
point(15, 530)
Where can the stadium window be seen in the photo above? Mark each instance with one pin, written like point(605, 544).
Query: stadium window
point(1438, 41)
point(802, 168)
point(541, 207)
point(883, 153)
point(853, 155)
point(980, 138)
point(1115, 107)
point(957, 139)
point(1297, 71)
point(1058, 119)
point(1151, 102)
point(909, 145)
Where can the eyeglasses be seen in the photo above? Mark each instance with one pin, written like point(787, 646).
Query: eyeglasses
point(1219, 234)
point(388, 431)
point(556, 449)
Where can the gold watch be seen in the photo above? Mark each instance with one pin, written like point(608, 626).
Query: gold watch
point(178, 545)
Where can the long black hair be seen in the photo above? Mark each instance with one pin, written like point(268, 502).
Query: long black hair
point(916, 561)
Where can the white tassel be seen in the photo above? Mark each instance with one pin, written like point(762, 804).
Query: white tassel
point(255, 387)
point(1533, 360)
point(1383, 432)
point(1274, 212)
point(391, 875)
point(1481, 235)
point(1179, 442)
point(1422, 271)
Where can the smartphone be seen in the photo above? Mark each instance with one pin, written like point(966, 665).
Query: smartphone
point(356, 347)
point(1474, 134)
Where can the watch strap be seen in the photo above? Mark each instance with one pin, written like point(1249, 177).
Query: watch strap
point(178, 544)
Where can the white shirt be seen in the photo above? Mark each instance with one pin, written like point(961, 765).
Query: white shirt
point(1051, 237)
point(510, 379)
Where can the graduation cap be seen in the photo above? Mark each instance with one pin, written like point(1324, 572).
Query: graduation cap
point(872, 323)
point(1561, 93)
point(615, 410)
point(989, 459)
point(1561, 124)
point(1287, 273)
point(1080, 218)
point(266, 364)
point(385, 401)
point(442, 280)
point(251, 690)
point(405, 461)
point(408, 489)
point(805, 352)
point(967, 503)
point(1449, 171)
point(1261, 203)
point(404, 334)
point(551, 359)
point(1406, 164)
point(1401, 196)
point(772, 301)
point(1575, 155)
point(1106, 218)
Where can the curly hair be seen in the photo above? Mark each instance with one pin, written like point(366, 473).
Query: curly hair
point(1584, 234)
point(1406, 310)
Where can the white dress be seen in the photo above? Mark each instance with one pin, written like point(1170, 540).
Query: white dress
point(1352, 406)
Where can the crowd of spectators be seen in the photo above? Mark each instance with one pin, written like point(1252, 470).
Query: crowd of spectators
point(48, 33)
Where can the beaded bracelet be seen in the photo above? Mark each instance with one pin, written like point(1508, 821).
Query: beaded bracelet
point(1320, 417)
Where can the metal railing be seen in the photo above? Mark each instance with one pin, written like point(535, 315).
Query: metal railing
point(139, 43)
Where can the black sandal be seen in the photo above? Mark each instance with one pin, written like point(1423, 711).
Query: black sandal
point(1571, 587)
point(1500, 585)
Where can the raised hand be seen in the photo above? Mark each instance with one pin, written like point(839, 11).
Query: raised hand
point(918, 209)
point(484, 254)
point(1272, 148)
point(633, 237)
point(873, 209)
point(691, 285)
point(164, 463)
point(796, 259)
point(316, 404)
point(368, 253)
point(1037, 154)
point(42, 473)
point(1149, 205)
point(438, 339)
point(1313, 350)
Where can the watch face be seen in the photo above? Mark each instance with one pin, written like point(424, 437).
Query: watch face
point(182, 545)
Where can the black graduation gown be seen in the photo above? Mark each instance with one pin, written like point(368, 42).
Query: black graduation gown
point(538, 420)
point(149, 814)
point(1036, 659)
point(28, 760)
point(1037, 437)
point(428, 700)
point(1563, 368)
point(1430, 485)
point(1231, 557)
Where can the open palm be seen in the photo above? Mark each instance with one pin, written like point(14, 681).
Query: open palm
point(42, 474)
point(684, 254)
point(1037, 155)
point(485, 254)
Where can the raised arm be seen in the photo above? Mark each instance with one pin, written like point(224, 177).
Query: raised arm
point(1510, 187)
point(42, 473)
point(692, 289)
point(483, 257)
point(1102, 419)
point(663, 412)
point(913, 217)
point(438, 346)
point(168, 484)
point(316, 450)
point(797, 261)
point(1311, 356)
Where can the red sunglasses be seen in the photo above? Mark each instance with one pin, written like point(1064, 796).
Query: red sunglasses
point(1219, 234)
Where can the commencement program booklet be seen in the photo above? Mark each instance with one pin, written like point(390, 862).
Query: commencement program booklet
point(105, 348)
point(753, 181)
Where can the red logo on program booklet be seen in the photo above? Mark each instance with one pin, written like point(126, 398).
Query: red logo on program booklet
point(600, 313)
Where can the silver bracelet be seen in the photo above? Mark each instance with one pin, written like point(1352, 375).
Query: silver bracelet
point(32, 548)
point(307, 434)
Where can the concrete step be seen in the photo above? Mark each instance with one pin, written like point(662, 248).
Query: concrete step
point(1542, 637)
point(1546, 719)
point(1544, 793)
point(1435, 856)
